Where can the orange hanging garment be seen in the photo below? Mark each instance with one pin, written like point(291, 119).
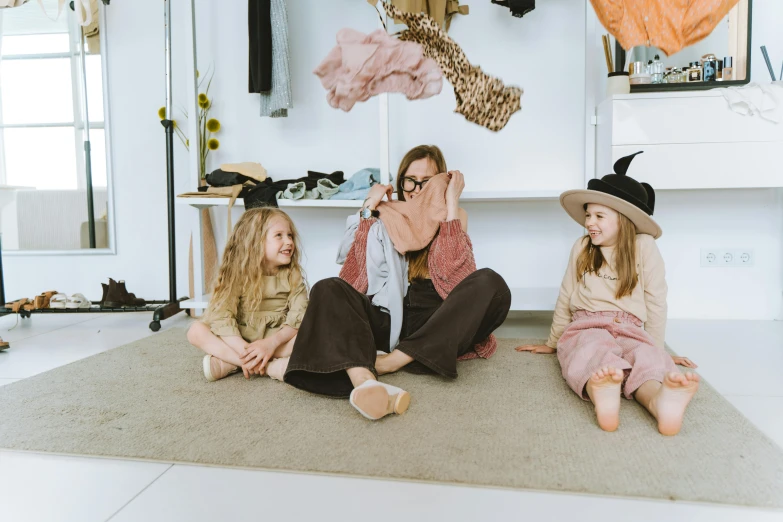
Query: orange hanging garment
point(668, 25)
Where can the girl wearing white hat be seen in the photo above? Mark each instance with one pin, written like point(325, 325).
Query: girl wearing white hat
point(610, 319)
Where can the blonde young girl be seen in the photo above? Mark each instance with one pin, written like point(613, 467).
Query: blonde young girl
point(259, 299)
point(610, 319)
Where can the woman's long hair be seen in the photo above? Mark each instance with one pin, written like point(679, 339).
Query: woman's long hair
point(242, 269)
point(591, 259)
point(417, 261)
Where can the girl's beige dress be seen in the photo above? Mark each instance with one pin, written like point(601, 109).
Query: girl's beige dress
point(254, 319)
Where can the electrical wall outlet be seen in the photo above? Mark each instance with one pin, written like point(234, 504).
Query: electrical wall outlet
point(709, 256)
point(726, 257)
point(744, 257)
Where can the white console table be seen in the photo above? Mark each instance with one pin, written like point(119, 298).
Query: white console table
point(690, 139)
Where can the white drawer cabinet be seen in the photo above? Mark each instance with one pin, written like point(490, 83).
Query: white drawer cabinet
point(690, 140)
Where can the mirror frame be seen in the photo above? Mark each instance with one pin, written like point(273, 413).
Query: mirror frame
point(699, 86)
point(110, 226)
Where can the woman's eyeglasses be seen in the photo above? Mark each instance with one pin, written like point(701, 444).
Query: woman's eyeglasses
point(410, 184)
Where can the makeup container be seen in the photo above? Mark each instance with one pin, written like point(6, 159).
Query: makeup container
point(728, 69)
point(640, 79)
point(618, 83)
point(637, 68)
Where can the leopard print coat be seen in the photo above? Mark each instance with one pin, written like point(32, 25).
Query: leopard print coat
point(481, 98)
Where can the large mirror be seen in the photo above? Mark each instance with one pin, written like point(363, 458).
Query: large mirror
point(720, 60)
point(54, 196)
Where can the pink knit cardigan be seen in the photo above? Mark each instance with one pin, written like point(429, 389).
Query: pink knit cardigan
point(450, 261)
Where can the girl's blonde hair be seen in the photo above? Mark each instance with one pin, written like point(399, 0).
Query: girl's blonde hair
point(417, 261)
point(242, 269)
point(591, 260)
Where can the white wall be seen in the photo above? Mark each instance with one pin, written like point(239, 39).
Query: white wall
point(692, 220)
point(542, 147)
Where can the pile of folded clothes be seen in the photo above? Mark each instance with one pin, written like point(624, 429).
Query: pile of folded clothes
point(251, 182)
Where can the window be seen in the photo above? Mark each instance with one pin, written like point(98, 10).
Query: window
point(41, 112)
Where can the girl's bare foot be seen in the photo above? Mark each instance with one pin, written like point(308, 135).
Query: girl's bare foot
point(603, 388)
point(669, 404)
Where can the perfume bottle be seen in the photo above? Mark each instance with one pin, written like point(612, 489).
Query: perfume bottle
point(686, 70)
point(709, 67)
point(677, 75)
point(695, 72)
point(657, 70)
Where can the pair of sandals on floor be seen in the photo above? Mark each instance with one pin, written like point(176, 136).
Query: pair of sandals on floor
point(42, 300)
point(50, 299)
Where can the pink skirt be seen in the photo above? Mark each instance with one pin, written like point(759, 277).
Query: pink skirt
point(594, 340)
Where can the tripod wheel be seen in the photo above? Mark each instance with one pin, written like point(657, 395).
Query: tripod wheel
point(155, 326)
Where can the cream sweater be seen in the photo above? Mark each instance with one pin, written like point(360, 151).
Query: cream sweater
point(596, 292)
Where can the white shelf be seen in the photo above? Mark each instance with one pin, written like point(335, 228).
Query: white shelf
point(522, 299)
point(301, 203)
point(200, 302)
point(508, 195)
point(467, 197)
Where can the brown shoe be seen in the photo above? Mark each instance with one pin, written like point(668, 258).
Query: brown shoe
point(43, 300)
point(114, 298)
point(18, 305)
point(130, 299)
point(105, 293)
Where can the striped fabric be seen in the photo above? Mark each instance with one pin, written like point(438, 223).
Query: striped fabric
point(276, 102)
point(594, 340)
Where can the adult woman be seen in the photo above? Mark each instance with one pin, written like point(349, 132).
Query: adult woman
point(448, 308)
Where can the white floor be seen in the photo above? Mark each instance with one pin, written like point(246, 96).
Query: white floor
point(42, 487)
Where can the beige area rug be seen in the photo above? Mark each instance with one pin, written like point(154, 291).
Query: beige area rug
point(507, 422)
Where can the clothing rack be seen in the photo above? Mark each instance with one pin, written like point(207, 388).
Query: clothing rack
point(172, 306)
